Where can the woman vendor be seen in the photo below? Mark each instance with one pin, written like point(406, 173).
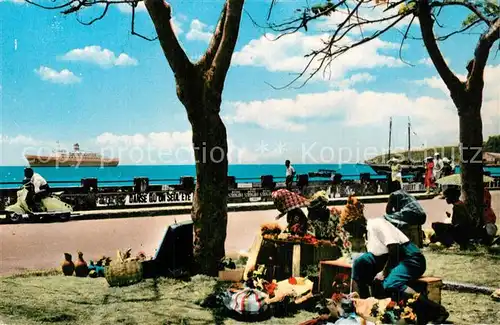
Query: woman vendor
point(403, 209)
point(290, 203)
point(393, 262)
point(462, 226)
point(489, 218)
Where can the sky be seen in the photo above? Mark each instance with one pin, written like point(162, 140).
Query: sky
point(62, 83)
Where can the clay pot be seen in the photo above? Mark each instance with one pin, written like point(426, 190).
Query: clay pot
point(81, 268)
point(68, 267)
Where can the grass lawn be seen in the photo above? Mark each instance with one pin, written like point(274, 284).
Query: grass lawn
point(49, 298)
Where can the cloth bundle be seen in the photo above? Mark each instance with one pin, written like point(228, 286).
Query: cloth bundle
point(247, 302)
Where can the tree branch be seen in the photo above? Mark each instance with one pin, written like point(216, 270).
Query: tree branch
point(161, 14)
point(208, 57)
point(460, 31)
point(465, 4)
point(481, 54)
point(426, 27)
point(222, 59)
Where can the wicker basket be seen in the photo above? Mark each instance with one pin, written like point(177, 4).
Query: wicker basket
point(123, 273)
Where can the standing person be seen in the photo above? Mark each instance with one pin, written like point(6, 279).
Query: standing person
point(438, 168)
point(394, 262)
point(40, 188)
point(396, 171)
point(290, 174)
point(447, 169)
point(429, 175)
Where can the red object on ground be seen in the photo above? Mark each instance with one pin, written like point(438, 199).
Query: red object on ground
point(292, 280)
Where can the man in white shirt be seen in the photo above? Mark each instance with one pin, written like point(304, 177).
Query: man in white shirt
point(394, 262)
point(40, 187)
point(290, 173)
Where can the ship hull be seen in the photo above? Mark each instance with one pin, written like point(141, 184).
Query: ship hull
point(47, 161)
point(405, 169)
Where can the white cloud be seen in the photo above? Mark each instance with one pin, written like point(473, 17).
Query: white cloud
point(19, 2)
point(491, 94)
point(96, 54)
point(127, 9)
point(18, 140)
point(369, 110)
point(428, 61)
point(141, 7)
point(61, 77)
point(164, 148)
point(355, 79)
point(287, 55)
point(198, 32)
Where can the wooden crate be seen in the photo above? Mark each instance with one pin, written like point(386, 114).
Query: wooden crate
point(286, 259)
point(415, 234)
point(430, 286)
point(231, 275)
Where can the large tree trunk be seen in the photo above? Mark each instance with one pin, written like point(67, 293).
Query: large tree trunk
point(209, 211)
point(471, 164)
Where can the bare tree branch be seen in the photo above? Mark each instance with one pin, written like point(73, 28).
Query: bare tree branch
point(481, 54)
point(465, 4)
point(208, 57)
point(97, 18)
point(460, 31)
point(132, 27)
point(161, 14)
point(222, 59)
point(405, 36)
point(426, 27)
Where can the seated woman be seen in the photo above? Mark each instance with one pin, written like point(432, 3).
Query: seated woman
point(461, 228)
point(290, 203)
point(394, 262)
point(403, 209)
point(489, 218)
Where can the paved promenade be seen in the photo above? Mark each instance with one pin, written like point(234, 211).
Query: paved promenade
point(37, 246)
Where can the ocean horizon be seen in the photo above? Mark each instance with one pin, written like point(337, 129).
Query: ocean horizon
point(171, 174)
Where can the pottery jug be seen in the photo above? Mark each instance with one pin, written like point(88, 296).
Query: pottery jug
point(68, 267)
point(81, 268)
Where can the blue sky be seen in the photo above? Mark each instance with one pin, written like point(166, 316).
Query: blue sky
point(114, 92)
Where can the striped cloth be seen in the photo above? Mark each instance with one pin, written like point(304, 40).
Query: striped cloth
point(286, 201)
point(248, 301)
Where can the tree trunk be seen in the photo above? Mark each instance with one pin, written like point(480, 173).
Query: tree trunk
point(209, 212)
point(471, 164)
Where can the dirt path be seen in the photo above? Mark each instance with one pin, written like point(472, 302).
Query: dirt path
point(37, 246)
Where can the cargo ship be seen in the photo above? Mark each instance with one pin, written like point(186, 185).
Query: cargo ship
point(77, 158)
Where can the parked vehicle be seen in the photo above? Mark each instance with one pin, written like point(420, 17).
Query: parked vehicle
point(50, 207)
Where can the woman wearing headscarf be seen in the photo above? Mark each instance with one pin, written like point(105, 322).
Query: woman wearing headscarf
point(291, 204)
point(393, 262)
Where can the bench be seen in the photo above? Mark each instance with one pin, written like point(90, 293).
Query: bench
point(430, 286)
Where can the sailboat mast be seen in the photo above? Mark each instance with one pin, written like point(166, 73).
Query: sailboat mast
point(390, 136)
point(409, 140)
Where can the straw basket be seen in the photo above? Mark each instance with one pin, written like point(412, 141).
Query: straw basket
point(123, 273)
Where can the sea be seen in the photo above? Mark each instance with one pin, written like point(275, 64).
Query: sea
point(11, 176)
point(124, 175)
